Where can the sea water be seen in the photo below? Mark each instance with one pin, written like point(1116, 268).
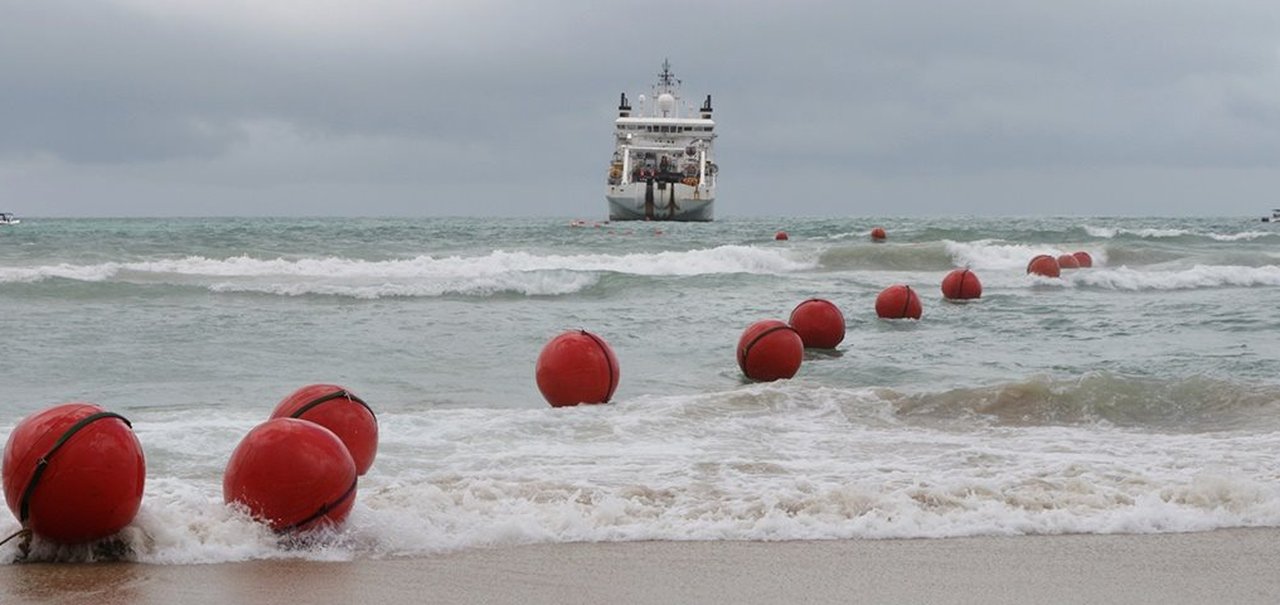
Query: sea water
point(1140, 395)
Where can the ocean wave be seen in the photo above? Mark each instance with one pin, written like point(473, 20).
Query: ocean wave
point(782, 461)
point(498, 272)
point(1189, 404)
point(1154, 233)
point(1198, 276)
point(993, 255)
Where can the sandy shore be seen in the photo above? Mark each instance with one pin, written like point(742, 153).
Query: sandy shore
point(1231, 566)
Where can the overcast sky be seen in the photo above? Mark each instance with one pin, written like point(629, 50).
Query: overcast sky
point(494, 108)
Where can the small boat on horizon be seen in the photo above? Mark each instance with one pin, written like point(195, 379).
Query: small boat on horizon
point(1274, 218)
point(663, 166)
point(7, 218)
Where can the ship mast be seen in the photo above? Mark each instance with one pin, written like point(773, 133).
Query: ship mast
point(667, 80)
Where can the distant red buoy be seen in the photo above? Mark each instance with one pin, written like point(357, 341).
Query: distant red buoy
point(1068, 261)
point(961, 284)
point(577, 367)
point(340, 411)
point(898, 302)
point(74, 473)
point(292, 474)
point(769, 350)
point(1083, 259)
point(1044, 265)
point(819, 323)
point(781, 236)
point(878, 234)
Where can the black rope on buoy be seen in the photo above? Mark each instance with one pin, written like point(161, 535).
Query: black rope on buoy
point(339, 394)
point(746, 351)
point(24, 546)
point(324, 509)
point(604, 350)
point(24, 532)
point(24, 507)
point(906, 302)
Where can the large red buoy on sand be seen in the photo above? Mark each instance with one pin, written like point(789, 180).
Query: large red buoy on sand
point(898, 302)
point(878, 234)
point(292, 474)
point(769, 350)
point(577, 367)
point(74, 473)
point(781, 236)
point(1044, 265)
point(1068, 261)
point(340, 411)
point(1083, 259)
point(819, 323)
point(961, 284)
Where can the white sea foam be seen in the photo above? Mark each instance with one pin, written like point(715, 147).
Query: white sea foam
point(988, 254)
point(763, 462)
point(499, 271)
point(1151, 233)
point(1199, 276)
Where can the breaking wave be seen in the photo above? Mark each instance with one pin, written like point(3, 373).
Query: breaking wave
point(498, 272)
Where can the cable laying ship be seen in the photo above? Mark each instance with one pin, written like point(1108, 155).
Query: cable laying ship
point(663, 168)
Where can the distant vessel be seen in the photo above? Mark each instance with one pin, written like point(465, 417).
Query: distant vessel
point(663, 166)
point(7, 218)
point(1274, 218)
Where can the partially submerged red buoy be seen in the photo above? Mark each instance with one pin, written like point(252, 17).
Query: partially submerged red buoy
point(292, 474)
point(780, 236)
point(74, 473)
point(577, 367)
point(1068, 261)
point(1044, 265)
point(819, 323)
point(961, 284)
point(769, 350)
point(898, 302)
point(340, 411)
point(878, 234)
point(1083, 259)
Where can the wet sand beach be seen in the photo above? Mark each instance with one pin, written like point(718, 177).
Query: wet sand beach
point(1226, 566)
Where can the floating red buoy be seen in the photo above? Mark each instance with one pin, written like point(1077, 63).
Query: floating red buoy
point(819, 323)
point(1083, 259)
point(878, 234)
point(898, 302)
point(1068, 261)
point(577, 367)
point(74, 473)
point(961, 284)
point(1044, 265)
point(293, 474)
point(340, 411)
point(769, 350)
point(780, 236)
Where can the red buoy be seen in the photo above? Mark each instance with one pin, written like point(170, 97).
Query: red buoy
point(74, 473)
point(292, 474)
point(898, 302)
point(1068, 261)
point(340, 411)
point(1083, 259)
point(819, 323)
point(577, 367)
point(961, 284)
point(878, 234)
point(1044, 265)
point(780, 236)
point(769, 350)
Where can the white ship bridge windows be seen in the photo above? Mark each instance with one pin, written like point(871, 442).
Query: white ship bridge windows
point(663, 129)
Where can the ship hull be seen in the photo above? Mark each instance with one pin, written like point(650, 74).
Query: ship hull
point(641, 201)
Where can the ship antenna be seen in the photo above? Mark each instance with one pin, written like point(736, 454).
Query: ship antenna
point(666, 78)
